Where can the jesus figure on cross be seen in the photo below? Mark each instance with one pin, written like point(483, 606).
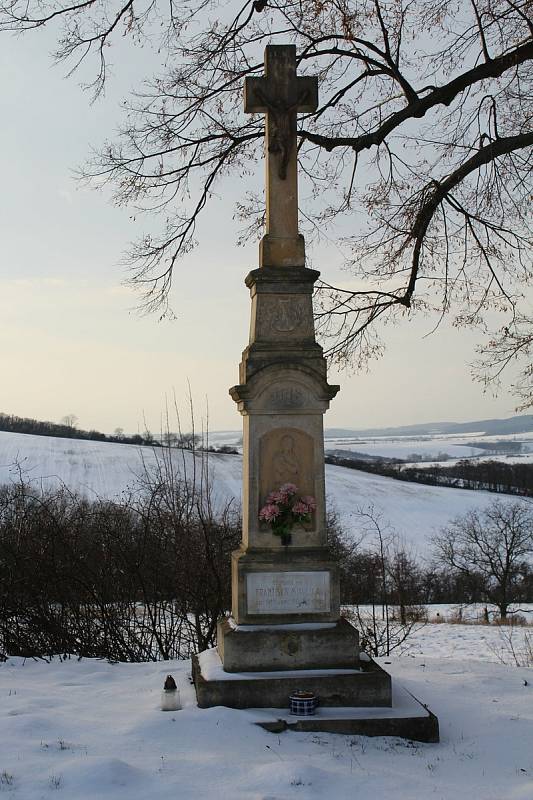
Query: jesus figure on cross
point(280, 94)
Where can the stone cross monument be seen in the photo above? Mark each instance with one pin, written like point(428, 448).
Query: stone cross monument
point(285, 631)
point(282, 395)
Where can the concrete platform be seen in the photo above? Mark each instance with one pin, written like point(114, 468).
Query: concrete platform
point(408, 718)
point(369, 685)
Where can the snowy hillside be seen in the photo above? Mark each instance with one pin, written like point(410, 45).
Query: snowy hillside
point(107, 470)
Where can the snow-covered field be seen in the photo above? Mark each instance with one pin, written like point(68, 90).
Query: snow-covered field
point(454, 446)
point(103, 469)
point(429, 446)
point(88, 730)
point(405, 447)
point(106, 469)
point(522, 458)
point(470, 643)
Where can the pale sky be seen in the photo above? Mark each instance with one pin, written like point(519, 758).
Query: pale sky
point(69, 337)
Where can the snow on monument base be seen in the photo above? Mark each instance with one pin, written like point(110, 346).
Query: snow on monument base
point(353, 701)
point(369, 685)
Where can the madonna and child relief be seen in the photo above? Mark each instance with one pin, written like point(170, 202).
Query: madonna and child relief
point(286, 457)
point(285, 463)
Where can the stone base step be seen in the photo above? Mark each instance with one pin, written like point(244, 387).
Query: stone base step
point(252, 648)
point(367, 686)
point(407, 718)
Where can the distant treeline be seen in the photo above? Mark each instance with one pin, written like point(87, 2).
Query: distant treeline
point(491, 476)
point(13, 424)
point(494, 448)
point(188, 441)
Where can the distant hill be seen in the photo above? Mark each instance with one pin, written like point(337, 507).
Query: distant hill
point(486, 427)
point(107, 469)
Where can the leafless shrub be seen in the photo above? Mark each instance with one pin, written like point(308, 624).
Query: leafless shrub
point(456, 616)
point(411, 614)
point(516, 647)
point(380, 633)
point(144, 579)
point(386, 615)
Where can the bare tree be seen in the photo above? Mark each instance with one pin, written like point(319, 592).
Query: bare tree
point(508, 345)
point(420, 147)
point(393, 574)
point(495, 544)
point(70, 420)
point(188, 441)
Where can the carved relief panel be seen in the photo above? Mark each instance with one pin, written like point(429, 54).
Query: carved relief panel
point(284, 316)
point(286, 456)
point(288, 314)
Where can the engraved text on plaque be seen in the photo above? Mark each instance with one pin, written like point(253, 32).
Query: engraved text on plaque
point(288, 592)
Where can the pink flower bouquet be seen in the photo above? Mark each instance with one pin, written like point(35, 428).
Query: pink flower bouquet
point(284, 508)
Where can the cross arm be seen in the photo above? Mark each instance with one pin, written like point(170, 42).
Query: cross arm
point(259, 100)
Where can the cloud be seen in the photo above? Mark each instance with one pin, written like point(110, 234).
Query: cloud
point(35, 281)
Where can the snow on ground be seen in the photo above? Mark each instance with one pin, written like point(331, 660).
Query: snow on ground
point(103, 469)
point(472, 612)
point(444, 637)
point(107, 469)
point(504, 644)
point(88, 730)
point(469, 642)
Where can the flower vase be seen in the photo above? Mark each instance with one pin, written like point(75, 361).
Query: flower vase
point(286, 539)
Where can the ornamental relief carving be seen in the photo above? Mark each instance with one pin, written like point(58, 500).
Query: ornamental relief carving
point(281, 317)
point(287, 315)
point(286, 391)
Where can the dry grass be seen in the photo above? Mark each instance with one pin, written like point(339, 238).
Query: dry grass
point(513, 620)
point(457, 618)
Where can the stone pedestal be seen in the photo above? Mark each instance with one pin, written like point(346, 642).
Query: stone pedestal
point(285, 632)
point(282, 395)
point(264, 648)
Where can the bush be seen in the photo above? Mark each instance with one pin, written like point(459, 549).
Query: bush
point(142, 580)
point(513, 620)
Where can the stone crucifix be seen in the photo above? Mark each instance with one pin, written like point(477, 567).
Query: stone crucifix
point(280, 94)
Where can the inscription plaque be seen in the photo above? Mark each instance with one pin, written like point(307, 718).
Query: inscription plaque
point(287, 397)
point(288, 592)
